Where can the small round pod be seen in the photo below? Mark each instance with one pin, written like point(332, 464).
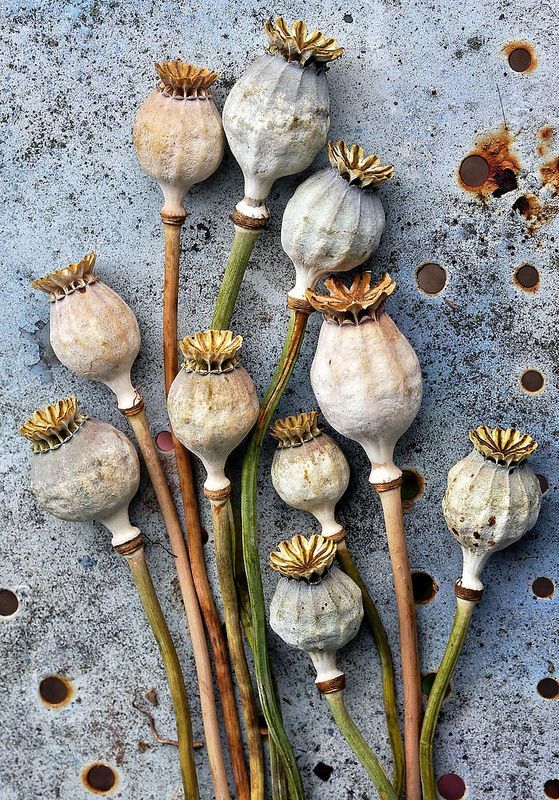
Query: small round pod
point(492, 498)
point(316, 607)
point(178, 133)
point(212, 402)
point(309, 470)
point(335, 219)
point(93, 332)
point(82, 469)
point(365, 374)
point(277, 115)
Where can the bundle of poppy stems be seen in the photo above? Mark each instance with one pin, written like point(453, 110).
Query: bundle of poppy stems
point(367, 382)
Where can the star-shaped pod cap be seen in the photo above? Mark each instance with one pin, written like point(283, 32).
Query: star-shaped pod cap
point(303, 559)
point(358, 169)
point(297, 44)
point(354, 303)
point(211, 351)
point(505, 446)
point(49, 427)
point(179, 79)
point(62, 282)
point(296, 430)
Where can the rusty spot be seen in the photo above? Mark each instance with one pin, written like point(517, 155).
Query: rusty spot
point(536, 211)
point(491, 521)
point(99, 778)
point(521, 56)
point(502, 165)
point(544, 137)
point(527, 278)
point(56, 691)
point(549, 173)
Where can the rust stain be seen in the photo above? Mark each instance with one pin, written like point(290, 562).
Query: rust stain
point(509, 48)
point(537, 212)
point(496, 149)
point(544, 137)
point(549, 174)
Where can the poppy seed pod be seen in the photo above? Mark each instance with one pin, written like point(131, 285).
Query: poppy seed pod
point(277, 115)
point(315, 607)
point(334, 221)
point(178, 133)
point(492, 499)
point(309, 470)
point(82, 469)
point(212, 402)
point(93, 332)
point(365, 374)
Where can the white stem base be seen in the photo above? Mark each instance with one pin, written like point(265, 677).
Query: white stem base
point(119, 525)
point(121, 385)
point(473, 564)
point(325, 665)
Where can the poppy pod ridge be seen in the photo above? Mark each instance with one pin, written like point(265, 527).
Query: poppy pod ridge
point(93, 332)
point(84, 469)
point(335, 219)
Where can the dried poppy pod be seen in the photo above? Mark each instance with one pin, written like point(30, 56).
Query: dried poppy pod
point(212, 402)
point(365, 374)
point(334, 221)
point(309, 470)
point(178, 133)
point(82, 469)
point(277, 115)
point(492, 499)
point(315, 607)
point(93, 331)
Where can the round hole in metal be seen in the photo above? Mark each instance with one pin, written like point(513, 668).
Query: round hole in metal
point(543, 588)
point(544, 483)
point(424, 587)
point(9, 603)
point(431, 278)
point(451, 787)
point(548, 688)
point(427, 682)
point(164, 441)
point(55, 691)
point(551, 789)
point(532, 381)
point(527, 278)
point(474, 170)
point(99, 778)
point(412, 487)
point(520, 59)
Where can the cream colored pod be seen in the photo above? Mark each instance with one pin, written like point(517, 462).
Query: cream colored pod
point(93, 332)
point(178, 133)
point(82, 469)
point(212, 402)
point(365, 374)
point(335, 219)
point(309, 470)
point(492, 499)
point(316, 607)
point(277, 115)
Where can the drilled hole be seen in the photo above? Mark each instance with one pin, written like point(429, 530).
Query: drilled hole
point(543, 588)
point(548, 688)
point(427, 682)
point(431, 278)
point(551, 789)
point(323, 771)
point(527, 278)
point(474, 171)
point(412, 487)
point(164, 441)
point(544, 484)
point(532, 381)
point(99, 778)
point(55, 691)
point(451, 787)
point(9, 603)
point(520, 59)
point(424, 587)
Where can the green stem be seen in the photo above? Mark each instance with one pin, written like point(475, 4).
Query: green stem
point(354, 738)
point(388, 683)
point(142, 578)
point(464, 611)
point(241, 250)
point(268, 699)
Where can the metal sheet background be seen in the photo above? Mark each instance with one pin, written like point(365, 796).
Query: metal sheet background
point(418, 84)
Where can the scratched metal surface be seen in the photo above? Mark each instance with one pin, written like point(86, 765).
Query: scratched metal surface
point(419, 83)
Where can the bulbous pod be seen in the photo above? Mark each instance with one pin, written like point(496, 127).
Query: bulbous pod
point(334, 221)
point(365, 374)
point(309, 470)
point(277, 115)
point(492, 498)
point(93, 332)
point(178, 133)
point(82, 469)
point(212, 402)
point(316, 607)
